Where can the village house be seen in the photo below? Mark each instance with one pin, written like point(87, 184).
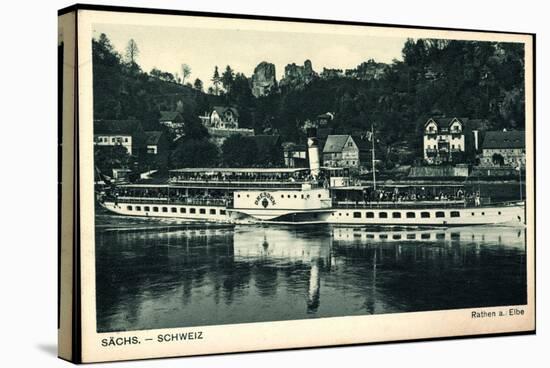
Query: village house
point(221, 117)
point(156, 142)
point(345, 151)
point(126, 133)
point(443, 139)
point(173, 120)
point(295, 155)
point(503, 148)
point(222, 123)
point(270, 148)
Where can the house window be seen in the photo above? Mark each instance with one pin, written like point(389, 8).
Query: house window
point(425, 214)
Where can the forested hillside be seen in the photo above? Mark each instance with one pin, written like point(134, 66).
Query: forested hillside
point(482, 80)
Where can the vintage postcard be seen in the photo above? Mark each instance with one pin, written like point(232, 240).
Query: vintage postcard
point(251, 183)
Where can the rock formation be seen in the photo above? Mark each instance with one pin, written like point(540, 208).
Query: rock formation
point(297, 76)
point(264, 80)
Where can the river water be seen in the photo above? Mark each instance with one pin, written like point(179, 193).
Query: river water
point(164, 274)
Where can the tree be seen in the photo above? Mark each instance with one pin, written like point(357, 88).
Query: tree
point(239, 151)
point(227, 79)
point(185, 72)
point(198, 85)
point(107, 158)
point(132, 52)
point(216, 81)
point(194, 153)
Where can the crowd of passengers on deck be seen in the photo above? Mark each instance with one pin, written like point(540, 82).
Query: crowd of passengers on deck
point(415, 195)
point(299, 175)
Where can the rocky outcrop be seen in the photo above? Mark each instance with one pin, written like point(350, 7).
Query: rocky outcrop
point(264, 80)
point(297, 76)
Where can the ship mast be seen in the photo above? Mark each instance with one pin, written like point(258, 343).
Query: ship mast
point(373, 168)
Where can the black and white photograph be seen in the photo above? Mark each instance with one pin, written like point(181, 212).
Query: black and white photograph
point(251, 176)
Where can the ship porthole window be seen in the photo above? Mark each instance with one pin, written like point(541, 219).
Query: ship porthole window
point(138, 208)
point(129, 208)
point(500, 213)
point(155, 209)
point(146, 208)
point(382, 215)
point(357, 215)
point(202, 211)
point(295, 196)
point(411, 215)
point(192, 210)
point(288, 196)
point(455, 214)
point(396, 215)
point(369, 215)
point(473, 213)
point(164, 209)
point(482, 213)
point(182, 210)
point(238, 196)
point(425, 214)
point(319, 195)
point(282, 195)
point(212, 211)
point(440, 214)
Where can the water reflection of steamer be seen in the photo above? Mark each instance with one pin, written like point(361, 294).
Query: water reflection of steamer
point(311, 270)
point(303, 195)
point(506, 235)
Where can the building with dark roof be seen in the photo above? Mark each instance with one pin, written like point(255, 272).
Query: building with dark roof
point(503, 148)
point(126, 133)
point(221, 117)
point(443, 139)
point(173, 120)
point(295, 155)
point(345, 151)
point(156, 142)
point(223, 122)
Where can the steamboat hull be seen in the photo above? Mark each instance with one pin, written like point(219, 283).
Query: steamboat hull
point(508, 213)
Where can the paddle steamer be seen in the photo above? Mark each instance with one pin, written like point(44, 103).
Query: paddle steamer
point(303, 195)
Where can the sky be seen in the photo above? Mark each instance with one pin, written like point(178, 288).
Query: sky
point(166, 48)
